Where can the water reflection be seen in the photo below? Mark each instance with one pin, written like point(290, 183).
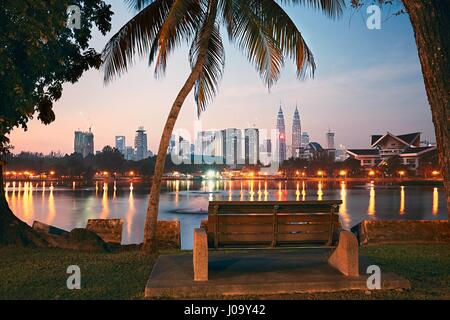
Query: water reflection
point(105, 203)
point(51, 207)
point(130, 214)
point(435, 209)
point(402, 200)
point(371, 208)
point(319, 191)
point(188, 202)
point(343, 207)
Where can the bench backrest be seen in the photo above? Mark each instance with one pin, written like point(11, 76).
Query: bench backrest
point(271, 223)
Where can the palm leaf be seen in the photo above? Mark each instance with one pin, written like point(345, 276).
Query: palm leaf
point(286, 35)
point(134, 39)
point(332, 8)
point(210, 42)
point(180, 24)
point(254, 37)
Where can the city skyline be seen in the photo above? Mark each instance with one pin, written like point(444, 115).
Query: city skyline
point(354, 65)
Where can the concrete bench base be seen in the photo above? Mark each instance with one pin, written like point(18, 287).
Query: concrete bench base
point(344, 258)
point(257, 273)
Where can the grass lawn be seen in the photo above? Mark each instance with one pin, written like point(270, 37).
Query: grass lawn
point(41, 274)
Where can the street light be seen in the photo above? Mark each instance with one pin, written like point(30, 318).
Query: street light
point(435, 173)
point(401, 173)
point(320, 173)
point(343, 173)
point(371, 173)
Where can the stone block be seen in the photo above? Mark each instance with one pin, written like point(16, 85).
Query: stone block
point(48, 229)
point(168, 234)
point(402, 232)
point(110, 230)
point(345, 257)
point(200, 255)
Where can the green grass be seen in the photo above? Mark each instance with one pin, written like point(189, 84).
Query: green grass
point(41, 274)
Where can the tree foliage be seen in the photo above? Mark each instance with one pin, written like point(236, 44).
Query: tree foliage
point(38, 54)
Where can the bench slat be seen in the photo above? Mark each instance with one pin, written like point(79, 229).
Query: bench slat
point(301, 237)
point(316, 218)
point(247, 238)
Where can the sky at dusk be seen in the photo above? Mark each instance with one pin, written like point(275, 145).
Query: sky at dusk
point(367, 82)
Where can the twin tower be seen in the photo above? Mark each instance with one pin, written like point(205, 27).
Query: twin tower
point(296, 134)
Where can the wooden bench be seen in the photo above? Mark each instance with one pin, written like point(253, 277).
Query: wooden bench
point(271, 224)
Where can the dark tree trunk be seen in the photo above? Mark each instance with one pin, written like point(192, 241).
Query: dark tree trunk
point(430, 20)
point(13, 231)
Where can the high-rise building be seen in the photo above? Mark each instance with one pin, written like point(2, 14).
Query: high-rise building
point(251, 146)
point(129, 153)
point(140, 144)
point(210, 143)
point(305, 140)
point(84, 143)
point(232, 146)
point(330, 139)
point(184, 150)
point(121, 144)
point(296, 133)
point(172, 144)
point(265, 152)
point(281, 143)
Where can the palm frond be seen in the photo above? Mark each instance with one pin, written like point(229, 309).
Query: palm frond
point(180, 24)
point(332, 8)
point(209, 42)
point(255, 38)
point(138, 5)
point(286, 35)
point(134, 39)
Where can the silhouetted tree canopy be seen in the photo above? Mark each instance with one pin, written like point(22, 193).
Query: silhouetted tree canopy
point(38, 54)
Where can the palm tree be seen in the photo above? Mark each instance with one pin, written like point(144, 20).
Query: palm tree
point(261, 29)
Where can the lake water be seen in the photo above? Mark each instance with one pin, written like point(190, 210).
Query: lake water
point(187, 201)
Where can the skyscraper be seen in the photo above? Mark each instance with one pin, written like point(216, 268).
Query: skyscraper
point(140, 144)
point(305, 140)
point(210, 143)
point(120, 144)
point(232, 146)
point(296, 133)
point(330, 139)
point(84, 143)
point(129, 153)
point(251, 146)
point(281, 136)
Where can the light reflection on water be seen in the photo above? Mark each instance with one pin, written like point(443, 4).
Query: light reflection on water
point(187, 201)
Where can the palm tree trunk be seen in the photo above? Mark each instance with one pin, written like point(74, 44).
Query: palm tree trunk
point(150, 244)
point(431, 23)
point(151, 221)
